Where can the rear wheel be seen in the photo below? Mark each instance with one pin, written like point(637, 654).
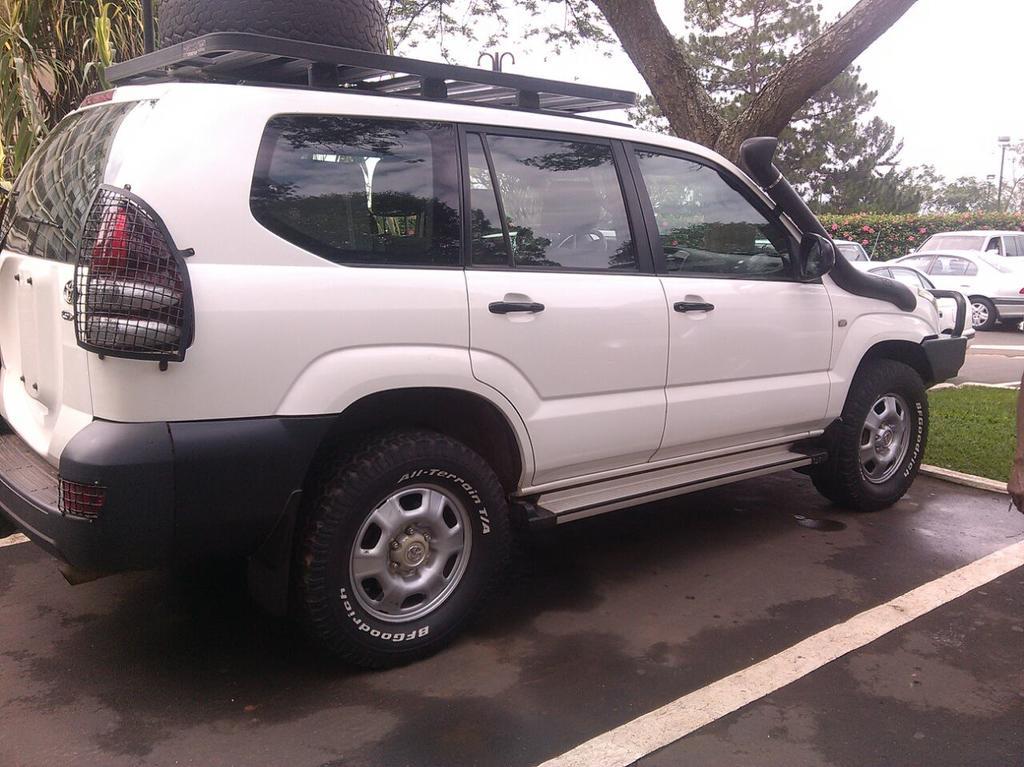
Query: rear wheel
point(400, 546)
point(984, 314)
point(876, 447)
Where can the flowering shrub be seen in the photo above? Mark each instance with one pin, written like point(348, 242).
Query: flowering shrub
point(886, 236)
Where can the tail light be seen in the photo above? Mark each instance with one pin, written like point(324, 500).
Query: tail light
point(97, 98)
point(132, 294)
point(76, 499)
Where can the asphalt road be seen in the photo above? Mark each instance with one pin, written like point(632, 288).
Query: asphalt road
point(994, 365)
point(604, 620)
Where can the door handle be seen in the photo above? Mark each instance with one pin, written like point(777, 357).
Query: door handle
point(693, 306)
point(507, 307)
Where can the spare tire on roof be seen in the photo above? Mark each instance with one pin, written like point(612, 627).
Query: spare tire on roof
point(348, 23)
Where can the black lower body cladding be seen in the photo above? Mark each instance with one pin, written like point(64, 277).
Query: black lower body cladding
point(945, 357)
point(174, 492)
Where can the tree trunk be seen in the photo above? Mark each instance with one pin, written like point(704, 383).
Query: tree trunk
point(662, 62)
point(682, 98)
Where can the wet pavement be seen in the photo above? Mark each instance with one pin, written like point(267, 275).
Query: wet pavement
point(602, 621)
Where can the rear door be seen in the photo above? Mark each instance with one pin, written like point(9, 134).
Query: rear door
point(749, 345)
point(44, 378)
point(566, 318)
point(953, 272)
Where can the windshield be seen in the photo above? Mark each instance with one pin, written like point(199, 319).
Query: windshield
point(852, 251)
point(954, 242)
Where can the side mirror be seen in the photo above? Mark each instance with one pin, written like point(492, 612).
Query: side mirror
point(817, 257)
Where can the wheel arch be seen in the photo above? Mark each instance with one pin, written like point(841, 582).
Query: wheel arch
point(907, 352)
point(460, 414)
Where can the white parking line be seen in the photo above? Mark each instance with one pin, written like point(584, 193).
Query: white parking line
point(624, 745)
point(995, 347)
point(11, 540)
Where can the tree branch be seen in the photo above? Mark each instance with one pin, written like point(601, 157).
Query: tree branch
point(662, 62)
point(821, 61)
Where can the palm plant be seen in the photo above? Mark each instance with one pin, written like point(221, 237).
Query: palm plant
point(52, 54)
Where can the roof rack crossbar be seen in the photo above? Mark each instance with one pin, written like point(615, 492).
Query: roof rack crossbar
point(242, 57)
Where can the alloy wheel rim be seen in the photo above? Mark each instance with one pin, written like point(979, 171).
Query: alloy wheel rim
point(979, 314)
point(884, 438)
point(410, 554)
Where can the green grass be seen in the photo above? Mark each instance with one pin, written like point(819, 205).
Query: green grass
point(972, 430)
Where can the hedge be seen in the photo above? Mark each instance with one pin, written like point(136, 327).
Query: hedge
point(886, 235)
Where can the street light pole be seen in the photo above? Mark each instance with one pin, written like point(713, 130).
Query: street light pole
point(1004, 142)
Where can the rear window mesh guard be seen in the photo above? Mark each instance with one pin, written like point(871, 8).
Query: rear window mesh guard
point(132, 301)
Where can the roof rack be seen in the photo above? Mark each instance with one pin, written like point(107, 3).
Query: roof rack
point(238, 57)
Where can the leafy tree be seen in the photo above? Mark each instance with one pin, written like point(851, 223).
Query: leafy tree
point(670, 66)
point(830, 152)
point(963, 195)
point(52, 54)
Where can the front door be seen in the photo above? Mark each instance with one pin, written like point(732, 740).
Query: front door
point(749, 346)
point(565, 319)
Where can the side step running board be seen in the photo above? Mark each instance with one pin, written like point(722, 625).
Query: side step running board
point(574, 503)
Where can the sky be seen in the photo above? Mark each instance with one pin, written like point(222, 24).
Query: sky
point(948, 76)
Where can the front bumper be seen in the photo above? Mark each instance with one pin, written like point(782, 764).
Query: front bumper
point(945, 356)
point(173, 491)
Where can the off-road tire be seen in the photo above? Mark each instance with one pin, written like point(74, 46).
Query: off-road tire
point(349, 23)
point(351, 487)
point(841, 478)
point(993, 313)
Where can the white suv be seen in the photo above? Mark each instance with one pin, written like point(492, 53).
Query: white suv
point(993, 242)
point(358, 338)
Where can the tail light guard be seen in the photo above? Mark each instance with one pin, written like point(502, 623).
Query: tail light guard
point(132, 294)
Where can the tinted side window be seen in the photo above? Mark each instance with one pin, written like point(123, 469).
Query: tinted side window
point(563, 204)
point(1015, 246)
point(946, 266)
point(708, 228)
point(921, 263)
point(360, 190)
point(488, 238)
point(54, 191)
point(907, 277)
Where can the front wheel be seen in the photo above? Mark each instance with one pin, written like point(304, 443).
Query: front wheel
point(984, 314)
point(876, 447)
point(399, 548)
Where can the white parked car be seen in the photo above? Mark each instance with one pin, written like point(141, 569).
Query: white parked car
point(853, 252)
point(993, 285)
point(994, 242)
point(355, 336)
point(951, 309)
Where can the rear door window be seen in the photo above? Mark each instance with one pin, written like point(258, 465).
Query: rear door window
point(951, 266)
point(562, 204)
point(907, 277)
point(370, 191)
point(921, 263)
point(52, 194)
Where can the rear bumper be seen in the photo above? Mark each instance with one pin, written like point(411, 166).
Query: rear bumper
point(945, 356)
point(173, 491)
